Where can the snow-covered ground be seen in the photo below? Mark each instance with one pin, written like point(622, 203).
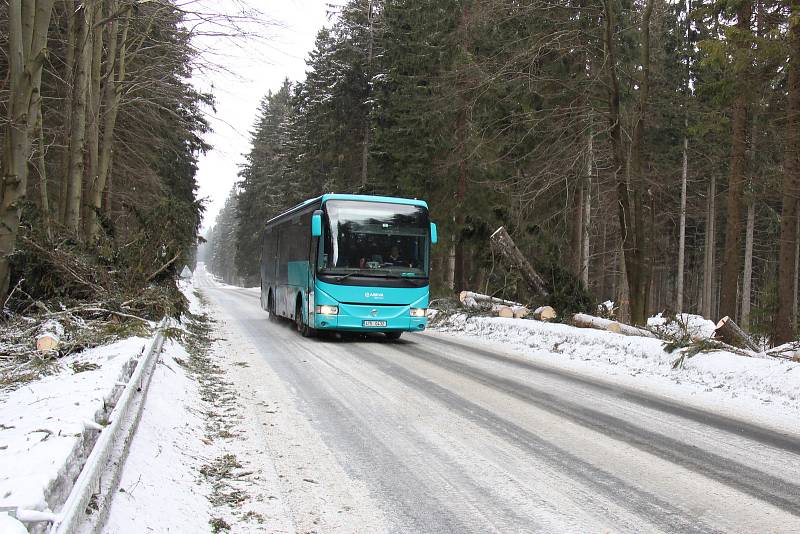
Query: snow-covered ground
point(194, 440)
point(48, 426)
point(764, 391)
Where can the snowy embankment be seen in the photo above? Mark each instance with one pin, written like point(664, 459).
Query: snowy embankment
point(48, 427)
point(762, 390)
point(195, 440)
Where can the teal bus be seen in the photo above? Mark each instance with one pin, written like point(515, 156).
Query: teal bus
point(349, 263)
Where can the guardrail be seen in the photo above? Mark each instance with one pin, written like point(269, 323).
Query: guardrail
point(102, 469)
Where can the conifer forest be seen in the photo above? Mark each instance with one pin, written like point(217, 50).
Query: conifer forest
point(641, 152)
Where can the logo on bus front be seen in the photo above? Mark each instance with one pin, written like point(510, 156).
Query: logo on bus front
point(369, 294)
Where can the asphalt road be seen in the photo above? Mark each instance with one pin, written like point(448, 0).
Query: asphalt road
point(450, 437)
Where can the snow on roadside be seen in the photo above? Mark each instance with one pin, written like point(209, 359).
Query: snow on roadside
point(48, 426)
point(193, 440)
point(161, 456)
point(764, 391)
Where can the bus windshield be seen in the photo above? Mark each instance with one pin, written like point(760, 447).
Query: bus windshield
point(379, 239)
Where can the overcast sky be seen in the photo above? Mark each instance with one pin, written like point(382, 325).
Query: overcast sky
point(245, 72)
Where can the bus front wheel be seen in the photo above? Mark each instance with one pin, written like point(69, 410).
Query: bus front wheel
point(303, 328)
point(393, 336)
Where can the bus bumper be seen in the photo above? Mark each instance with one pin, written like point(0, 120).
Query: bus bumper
point(352, 318)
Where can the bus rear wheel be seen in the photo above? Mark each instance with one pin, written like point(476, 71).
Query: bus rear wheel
point(393, 336)
point(271, 308)
point(303, 328)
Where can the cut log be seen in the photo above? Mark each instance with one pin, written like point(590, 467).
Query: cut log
point(49, 336)
point(520, 312)
point(506, 312)
point(47, 343)
point(471, 300)
point(583, 320)
point(730, 333)
point(544, 313)
point(503, 243)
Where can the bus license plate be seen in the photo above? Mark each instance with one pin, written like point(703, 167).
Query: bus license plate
point(374, 323)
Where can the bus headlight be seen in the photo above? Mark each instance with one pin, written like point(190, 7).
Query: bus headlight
point(418, 312)
point(324, 309)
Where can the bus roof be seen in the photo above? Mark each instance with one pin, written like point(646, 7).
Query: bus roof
point(336, 196)
point(372, 198)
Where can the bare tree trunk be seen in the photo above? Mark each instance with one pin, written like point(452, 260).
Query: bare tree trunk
point(576, 235)
point(78, 129)
point(586, 203)
point(28, 23)
point(114, 77)
point(747, 280)
point(796, 270)
point(451, 264)
point(710, 250)
point(365, 147)
point(623, 311)
point(747, 276)
point(682, 236)
point(631, 207)
point(69, 79)
point(43, 193)
point(93, 103)
point(731, 262)
point(784, 326)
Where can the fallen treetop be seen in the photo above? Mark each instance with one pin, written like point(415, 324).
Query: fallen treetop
point(729, 332)
point(503, 243)
point(583, 320)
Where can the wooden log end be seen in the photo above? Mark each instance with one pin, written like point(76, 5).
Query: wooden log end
point(544, 313)
point(505, 312)
point(47, 343)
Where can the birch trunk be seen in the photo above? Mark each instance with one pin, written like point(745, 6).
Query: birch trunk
point(451, 265)
point(72, 218)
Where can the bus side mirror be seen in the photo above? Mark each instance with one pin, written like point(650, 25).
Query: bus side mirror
point(434, 234)
point(316, 224)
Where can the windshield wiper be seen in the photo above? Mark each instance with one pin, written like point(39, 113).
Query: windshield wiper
point(386, 274)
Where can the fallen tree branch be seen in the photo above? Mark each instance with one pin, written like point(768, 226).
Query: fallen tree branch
point(164, 267)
